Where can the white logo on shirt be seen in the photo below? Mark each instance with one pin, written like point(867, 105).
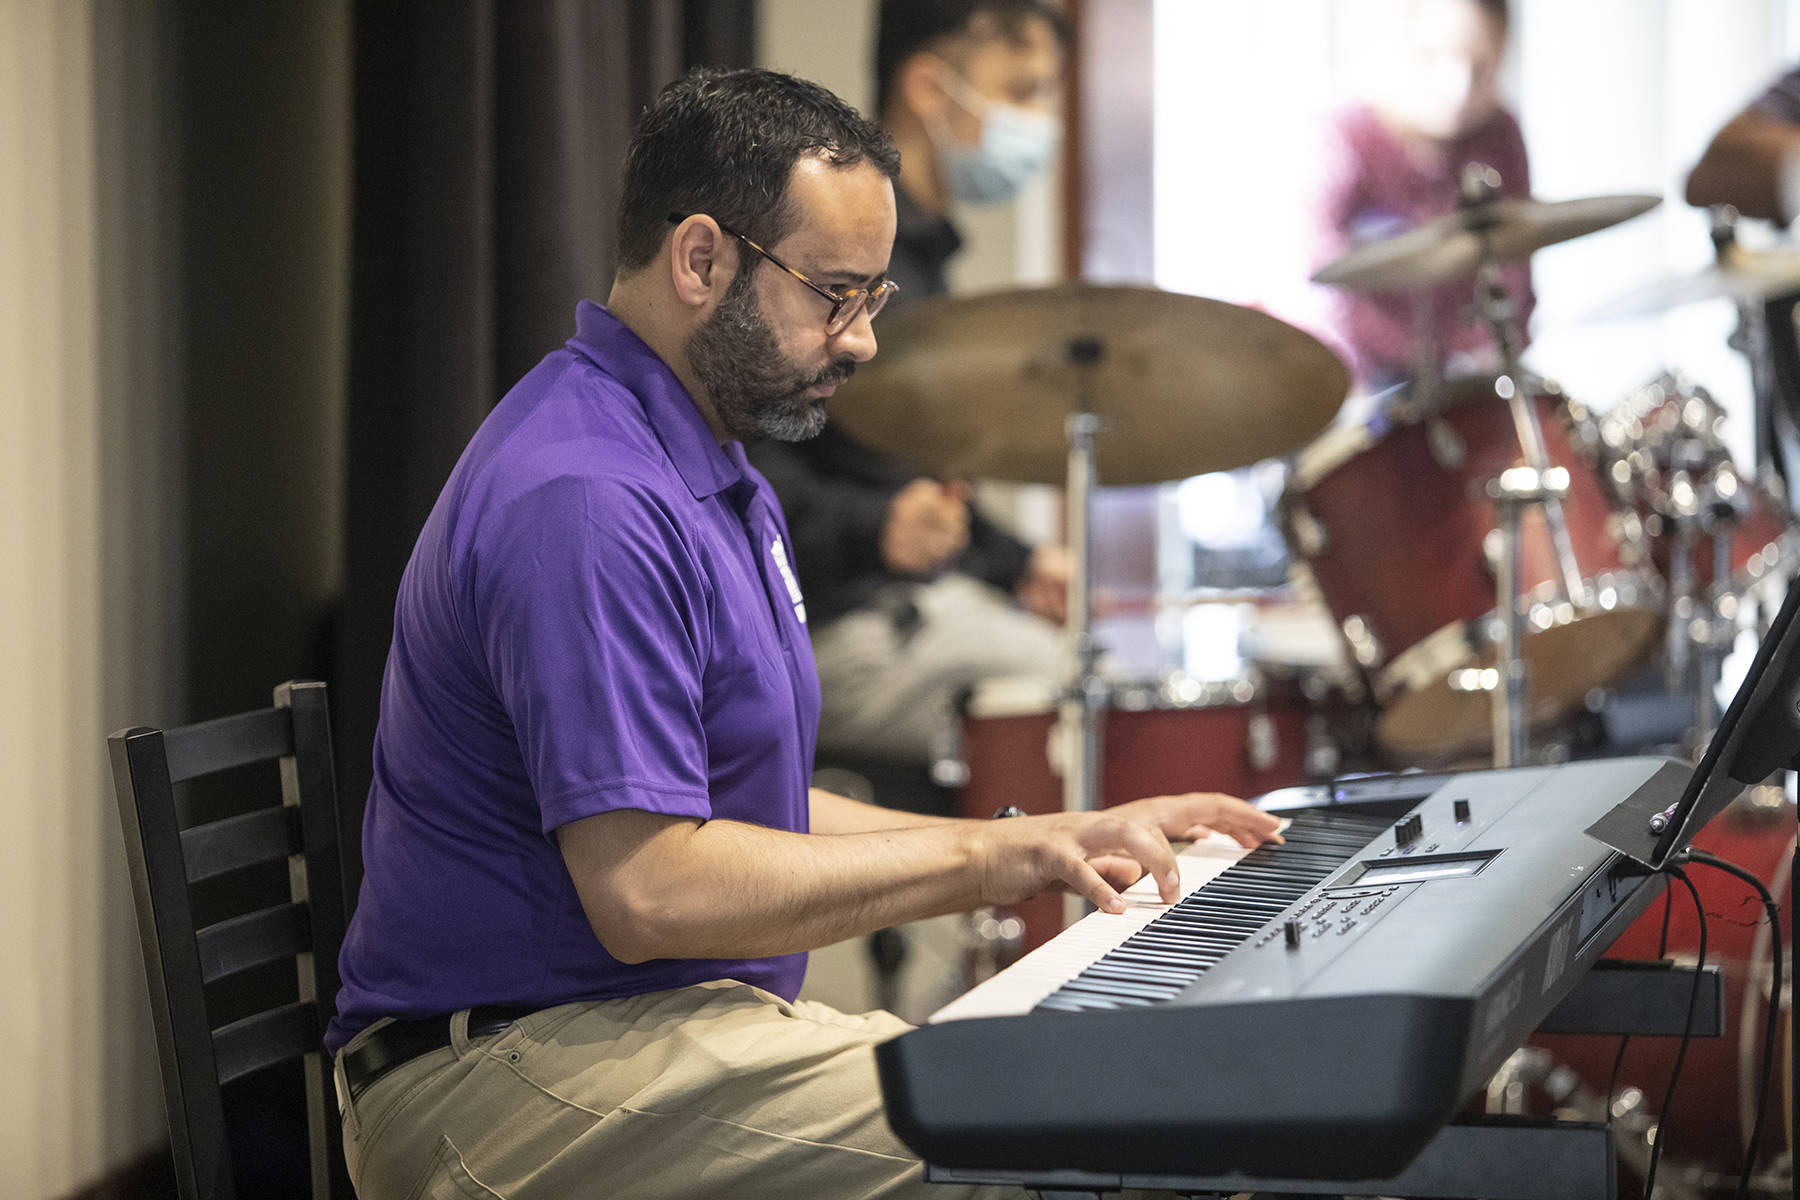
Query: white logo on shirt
point(779, 552)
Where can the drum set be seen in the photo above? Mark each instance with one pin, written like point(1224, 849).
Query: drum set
point(1479, 562)
point(1480, 559)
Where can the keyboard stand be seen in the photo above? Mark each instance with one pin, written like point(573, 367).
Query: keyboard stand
point(1482, 1158)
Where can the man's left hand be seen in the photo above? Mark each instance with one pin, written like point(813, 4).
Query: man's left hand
point(1044, 587)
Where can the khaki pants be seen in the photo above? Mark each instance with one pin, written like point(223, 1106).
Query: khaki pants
point(717, 1090)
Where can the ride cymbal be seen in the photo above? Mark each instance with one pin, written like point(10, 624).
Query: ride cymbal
point(1754, 275)
point(981, 387)
point(1450, 247)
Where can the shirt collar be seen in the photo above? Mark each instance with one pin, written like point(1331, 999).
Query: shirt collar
point(605, 341)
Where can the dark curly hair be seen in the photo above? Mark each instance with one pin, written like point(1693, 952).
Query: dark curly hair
point(724, 143)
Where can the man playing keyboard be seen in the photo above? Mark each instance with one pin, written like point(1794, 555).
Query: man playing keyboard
point(593, 864)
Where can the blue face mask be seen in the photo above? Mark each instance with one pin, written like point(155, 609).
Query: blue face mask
point(1015, 147)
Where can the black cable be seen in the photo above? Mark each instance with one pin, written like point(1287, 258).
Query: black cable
point(1662, 951)
point(1662, 946)
point(1687, 1034)
point(1706, 859)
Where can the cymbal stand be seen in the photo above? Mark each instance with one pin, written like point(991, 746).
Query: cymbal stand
point(1085, 698)
point(1684, 603)
point(1719, 630)
point(1512, 492)
point(1714, 630)
point(1516, 488)
point(1480, 187)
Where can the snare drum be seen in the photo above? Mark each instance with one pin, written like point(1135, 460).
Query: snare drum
point(1180, 735)
point(1394, 528)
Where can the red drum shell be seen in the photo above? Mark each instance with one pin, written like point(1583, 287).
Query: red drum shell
point(1404, 550)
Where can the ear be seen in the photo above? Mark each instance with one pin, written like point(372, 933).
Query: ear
point(917, 87)
point(700, 264)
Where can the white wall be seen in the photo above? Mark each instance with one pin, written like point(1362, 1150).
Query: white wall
point(1624, 95)
point(78, 496)
point(1613, 96)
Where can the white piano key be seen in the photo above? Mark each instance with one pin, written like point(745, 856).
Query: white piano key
point(1019, 988)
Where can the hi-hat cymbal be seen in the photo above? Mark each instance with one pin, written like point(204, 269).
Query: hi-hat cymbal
point(1754, 275)
point(980, 387)
point(1450, 247)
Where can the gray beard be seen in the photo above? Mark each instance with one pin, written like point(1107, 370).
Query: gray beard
point(755, 391)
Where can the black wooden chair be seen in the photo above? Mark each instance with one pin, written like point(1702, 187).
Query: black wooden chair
point(180, 960)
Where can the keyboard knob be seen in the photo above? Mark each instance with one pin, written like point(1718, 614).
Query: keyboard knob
point(1462, 811)
point(1290, 931)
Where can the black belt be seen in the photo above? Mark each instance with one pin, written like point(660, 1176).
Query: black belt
point(399, 1042)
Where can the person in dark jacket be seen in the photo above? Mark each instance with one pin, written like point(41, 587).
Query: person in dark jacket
point(912, 593)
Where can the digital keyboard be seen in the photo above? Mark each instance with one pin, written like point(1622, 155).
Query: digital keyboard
point(1314, 1010)
point(1149, 953)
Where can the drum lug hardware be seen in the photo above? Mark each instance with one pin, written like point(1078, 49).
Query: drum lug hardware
point(1322, 754)
point(1310, 537)
point(1262, 741)
point(1447, 445)
point(1363, 643)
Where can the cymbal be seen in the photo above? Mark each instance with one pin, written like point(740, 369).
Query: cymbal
point(1450, 246)
point(980, 387)
point(1754, 275)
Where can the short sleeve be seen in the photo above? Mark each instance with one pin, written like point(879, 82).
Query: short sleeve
point(591, 613)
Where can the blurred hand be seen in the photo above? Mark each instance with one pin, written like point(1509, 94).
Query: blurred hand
point(1044, 587)
point(927, 526)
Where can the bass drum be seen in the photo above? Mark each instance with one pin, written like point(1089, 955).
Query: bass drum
point(1181, 735)
point(1393, 527)
point(1715, 1100)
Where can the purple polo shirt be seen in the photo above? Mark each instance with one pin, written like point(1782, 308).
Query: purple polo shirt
point(599, 614)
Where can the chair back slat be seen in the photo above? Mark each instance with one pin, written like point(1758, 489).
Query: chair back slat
point(302, 826)
point(235, 741)
point(239, 943)
point(275, 1035)
point(240, 841)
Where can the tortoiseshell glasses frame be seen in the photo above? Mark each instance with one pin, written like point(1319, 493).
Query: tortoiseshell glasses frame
point(845, 304)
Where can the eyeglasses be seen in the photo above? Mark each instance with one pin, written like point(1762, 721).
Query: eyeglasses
point(845, 303)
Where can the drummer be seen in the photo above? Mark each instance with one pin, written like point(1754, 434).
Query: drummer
point(1393, 160)
point(913, 594)
point(1753, 164)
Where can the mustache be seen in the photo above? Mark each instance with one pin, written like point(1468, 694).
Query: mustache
point(837, 372)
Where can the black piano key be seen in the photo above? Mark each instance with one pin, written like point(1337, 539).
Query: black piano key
point(1158, 962)
point(1127, 974)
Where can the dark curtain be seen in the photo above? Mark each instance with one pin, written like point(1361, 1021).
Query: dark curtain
point(489, 136)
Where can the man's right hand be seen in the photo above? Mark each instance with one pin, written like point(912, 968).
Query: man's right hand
point(1099, 854)
point(927, 526)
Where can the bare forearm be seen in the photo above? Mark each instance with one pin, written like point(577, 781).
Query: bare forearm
point(660, 886)
point(1743, 166)
point(832, 813)
point(728, 890)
